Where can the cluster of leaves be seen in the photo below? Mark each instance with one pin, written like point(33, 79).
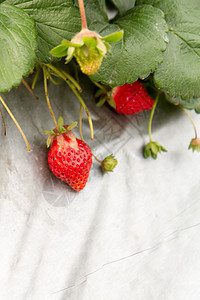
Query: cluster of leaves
point(160, 37)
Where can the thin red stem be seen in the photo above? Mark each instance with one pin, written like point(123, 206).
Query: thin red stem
point(29, 89)
point(82, 12)
point(97, 158)
point(4, 124)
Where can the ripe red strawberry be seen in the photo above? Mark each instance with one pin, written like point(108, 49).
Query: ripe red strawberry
point(131, 98)
point(69, 158)
point(128, 99)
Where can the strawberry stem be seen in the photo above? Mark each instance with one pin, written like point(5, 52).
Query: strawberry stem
point(80, 122)
point(35, 77)
point(151, 116)
point(97, 158)
point(53, 80)
point(65, 76)
point(4, 124)
point(76, 72)
point(82, 12)
point(99, 85)
point(86, 110)
point(16, 123)
point(192, 121)
point(68, 79)
point(29, 89)
point(47, 97)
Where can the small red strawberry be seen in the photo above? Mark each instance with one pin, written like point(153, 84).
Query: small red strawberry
point(69, 158)
point(128, 99)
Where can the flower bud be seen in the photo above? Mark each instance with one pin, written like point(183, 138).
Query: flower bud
point(109, 163)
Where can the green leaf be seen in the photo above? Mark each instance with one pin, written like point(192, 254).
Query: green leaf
point(193, 103)
point(123, 5)
point(136, 55)
point(58, 20)
point(18, 45)
point(59, 51)
point(55, 21)
point(179, 74)
point(141, 49)
point(113, 37)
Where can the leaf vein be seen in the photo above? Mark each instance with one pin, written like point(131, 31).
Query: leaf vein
point(184, 40)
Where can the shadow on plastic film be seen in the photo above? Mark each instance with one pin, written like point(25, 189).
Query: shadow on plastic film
point(56, 192)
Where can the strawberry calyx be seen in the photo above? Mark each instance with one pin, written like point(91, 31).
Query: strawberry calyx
point(152, 149)
point(62, 130)
point(103, 95)
point(195, 144)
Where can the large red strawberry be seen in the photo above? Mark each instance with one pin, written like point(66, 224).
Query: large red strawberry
point(128, 99)
point(69, 158)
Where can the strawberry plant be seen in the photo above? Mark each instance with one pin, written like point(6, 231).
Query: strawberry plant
point(154, 44)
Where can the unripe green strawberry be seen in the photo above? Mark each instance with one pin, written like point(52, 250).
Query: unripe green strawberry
point(109, 163)
point(89, 60)
point(88, 47)
point(90, 55)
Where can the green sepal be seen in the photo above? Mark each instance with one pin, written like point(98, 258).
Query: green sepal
point(152, 149)
point(99, 93)
point(52, 132)
point(60, 121)
point(108, 47)
point(46, 131)
point(59, 51)
point(109, 163)
point(101, 101)
point(49, 140)
point(113, 37)
point(70, 44)
point(62, 129)
point(90, 41)
point(71, 126)
point(111, 102)
point(70, 54)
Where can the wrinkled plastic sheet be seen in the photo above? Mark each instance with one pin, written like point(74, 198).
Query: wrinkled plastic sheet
point(130, 234)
